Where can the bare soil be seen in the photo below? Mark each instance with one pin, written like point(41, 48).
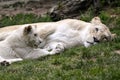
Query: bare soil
point(40, 7)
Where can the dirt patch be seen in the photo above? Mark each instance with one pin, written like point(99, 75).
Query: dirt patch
point(9, 8)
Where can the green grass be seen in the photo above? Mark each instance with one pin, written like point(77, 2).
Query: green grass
point(23, 19)
point(98, 62)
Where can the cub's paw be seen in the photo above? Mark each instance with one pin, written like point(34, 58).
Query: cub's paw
point(4, 63)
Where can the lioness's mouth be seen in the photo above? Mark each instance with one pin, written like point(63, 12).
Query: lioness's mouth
point(108, 38)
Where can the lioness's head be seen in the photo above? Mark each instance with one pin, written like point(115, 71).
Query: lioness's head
point(100, 31)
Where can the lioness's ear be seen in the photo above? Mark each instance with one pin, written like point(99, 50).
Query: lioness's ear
point(114, 36)
point(27, 29)
point(96, 20)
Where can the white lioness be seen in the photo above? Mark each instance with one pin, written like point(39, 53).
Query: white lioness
point(21, 44)
point(75, 32)
point(67, 33)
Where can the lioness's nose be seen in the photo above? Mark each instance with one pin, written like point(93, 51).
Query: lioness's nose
point(95, 39)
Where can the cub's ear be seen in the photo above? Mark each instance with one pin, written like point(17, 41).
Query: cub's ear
point(96, 20)
point(27, 29)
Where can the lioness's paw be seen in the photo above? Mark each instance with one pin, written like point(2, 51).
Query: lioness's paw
point(59, 47)
point(4, 63)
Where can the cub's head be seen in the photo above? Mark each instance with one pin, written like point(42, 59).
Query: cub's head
point(31, 36)
point(98, 32)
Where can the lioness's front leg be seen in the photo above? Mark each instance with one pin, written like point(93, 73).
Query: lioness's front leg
point(36, 53)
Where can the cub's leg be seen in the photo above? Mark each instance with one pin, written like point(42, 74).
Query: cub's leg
point(14, 60)
point(6, 62)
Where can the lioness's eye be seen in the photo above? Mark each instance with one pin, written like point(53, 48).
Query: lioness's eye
point(96, 29)
point(35, 34)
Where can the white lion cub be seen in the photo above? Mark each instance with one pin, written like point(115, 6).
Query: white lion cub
point(21, 44)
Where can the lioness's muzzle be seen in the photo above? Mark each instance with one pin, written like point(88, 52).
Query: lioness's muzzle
point(108, 38)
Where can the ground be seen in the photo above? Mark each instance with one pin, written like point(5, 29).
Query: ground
point(98, 62)
point(35, 7)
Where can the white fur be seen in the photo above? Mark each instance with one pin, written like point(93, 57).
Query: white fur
point(71, 32)
point(65, 37)
point(68, 33)
point(21, 45)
